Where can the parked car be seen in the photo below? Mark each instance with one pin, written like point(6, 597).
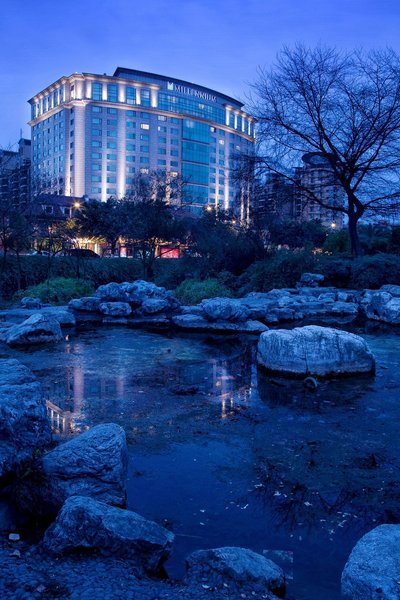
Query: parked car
point(82, 252)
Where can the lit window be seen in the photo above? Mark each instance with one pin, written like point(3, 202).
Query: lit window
point(144, 126)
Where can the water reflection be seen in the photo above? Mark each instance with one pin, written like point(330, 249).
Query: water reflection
point(81, 393)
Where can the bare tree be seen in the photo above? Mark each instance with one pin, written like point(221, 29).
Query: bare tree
point(344, 106)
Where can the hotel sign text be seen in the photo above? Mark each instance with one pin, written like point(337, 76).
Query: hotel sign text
point(182, 89)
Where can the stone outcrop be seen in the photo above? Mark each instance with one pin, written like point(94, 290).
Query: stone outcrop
point(311, 280)
point(224, 309)
point(92, 464)
point(242, 570)
point(89, 524)
point(372, 571)
point(24, 427)
point(37, 329)
point(115, 309)
point(382, 305)
point(193, 322)
point(28, 302)
point(314, 350)
point(85, 304)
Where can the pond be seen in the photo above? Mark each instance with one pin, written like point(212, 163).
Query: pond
point(223, 454)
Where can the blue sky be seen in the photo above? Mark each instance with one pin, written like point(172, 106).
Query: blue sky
point(216, 43)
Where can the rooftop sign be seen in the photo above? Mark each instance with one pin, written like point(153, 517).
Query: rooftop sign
point(182, 89)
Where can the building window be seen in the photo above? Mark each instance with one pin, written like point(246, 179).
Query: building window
point(111, 168)
point(111, 179)
point(131, 124)
point(130, 136)
point(97, 91)
point(162, 151)
point(130, 159)
point(144, 126)
point(162, 128)
point(96, 121)
point(112, 122)
point(112, 92)
point(97, 109)
point(112, 145)
point(96, 178)
point(131, 113)
point(94, 154)
point(144, 148)
point(111, 111)
point(111, 191)
point(162, 140)
point(144, 137)
point(130, 95)
point(131, 147)
point(112, 133)
point(96, 167)
point(161, 118)
point(111, 157)
point(161, 162)
point(96, 190)
point(144, 160)
point(145, 97)
point(96, 132)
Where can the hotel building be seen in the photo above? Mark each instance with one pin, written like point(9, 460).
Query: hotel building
point(92, 134)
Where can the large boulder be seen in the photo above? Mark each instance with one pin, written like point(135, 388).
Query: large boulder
point(87, 523)
point(60, 314)
point(382, 305)
point(242, 570)
point(24, 426)
point(115, 309)
point(314, 350)
point(372, 571)
point(92, 464)
point(224, 309)
point(38, 329)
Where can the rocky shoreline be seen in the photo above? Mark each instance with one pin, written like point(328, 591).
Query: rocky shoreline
point(96, 548)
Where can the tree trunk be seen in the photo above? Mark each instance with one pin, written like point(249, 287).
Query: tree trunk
point(355, 211)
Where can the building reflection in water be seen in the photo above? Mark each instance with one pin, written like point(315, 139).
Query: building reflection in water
point(77, 397)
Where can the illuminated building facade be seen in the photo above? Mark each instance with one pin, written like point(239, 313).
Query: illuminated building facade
point(91, 134)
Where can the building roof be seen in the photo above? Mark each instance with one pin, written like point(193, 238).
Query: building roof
point(119, 71)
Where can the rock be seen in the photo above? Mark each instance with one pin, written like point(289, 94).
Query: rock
point(224, 309)
point(138, 291)
point(241, 569)
point(61, 314)
point(38, 329)
point(372, 571)
point(343, 308)
point(14, 537)
point(28, 302)
point(92, 464)
point(85, 304)
point(24, 426)
point(152, 306)
point(382, 305)
point(111, 292)
point(195, 323)
point(115, 309)
point(87, 523)
point(314, 350)
point(310, 280)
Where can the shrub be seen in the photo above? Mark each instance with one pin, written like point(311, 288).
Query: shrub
point(374, 271)
point(193, 291)
point(281, 269)
point(58, 290)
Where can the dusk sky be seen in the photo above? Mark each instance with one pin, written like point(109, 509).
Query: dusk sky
point(215, 43)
